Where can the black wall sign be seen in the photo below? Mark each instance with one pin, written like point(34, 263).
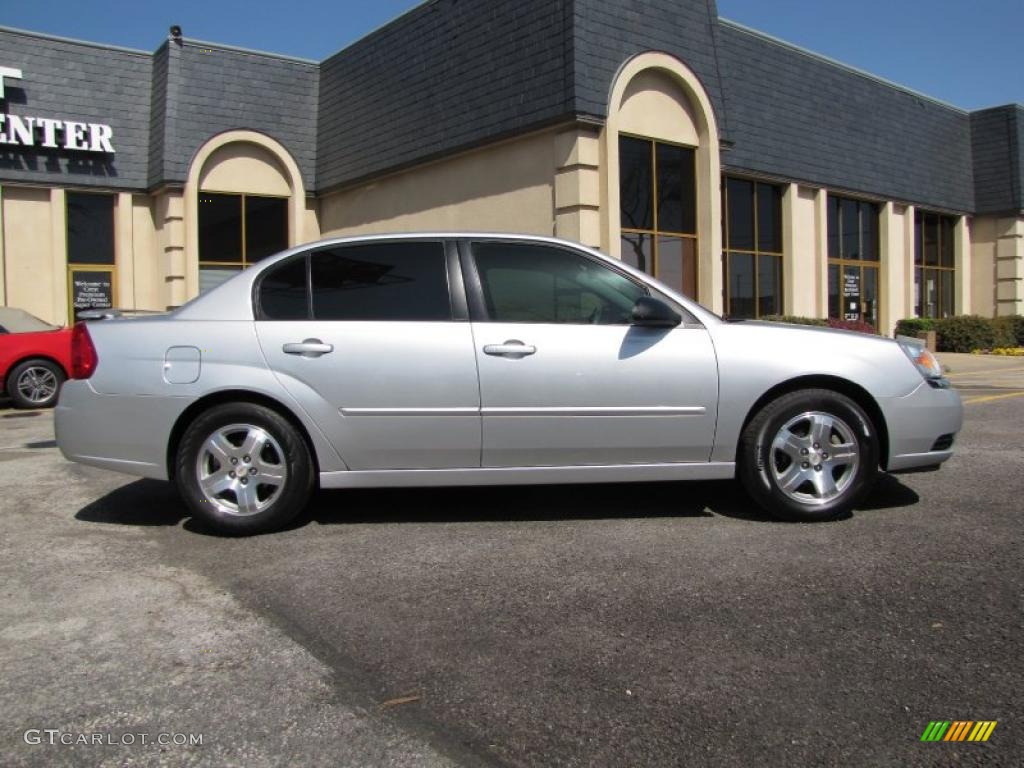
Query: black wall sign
point(91, 289)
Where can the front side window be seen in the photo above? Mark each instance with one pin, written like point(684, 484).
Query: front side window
point(934, 264)
point(752, 234)
point(658, 210)
point(525, 283)
point(236, 231)
point(853, 261)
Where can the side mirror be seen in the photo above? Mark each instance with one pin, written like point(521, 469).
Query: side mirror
point(649, 312)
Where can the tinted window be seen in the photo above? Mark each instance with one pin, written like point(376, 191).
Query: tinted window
point(850, 222)
point(769, 218)
point(869, 231)
point(676, 189)
point(266, 226)
point(539, 284)
point(220, 228)
point(635, 183)
point(769, 280)
point(741, 214)
point(381, 281)
point(90, 228)
point(947, 241)
point(636, 250)
point(283, 291)
point(833, 227)
point(677, 263)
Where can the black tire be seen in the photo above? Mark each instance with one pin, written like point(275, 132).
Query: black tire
point(258, 508)
point(776, 434)
point(33, 379)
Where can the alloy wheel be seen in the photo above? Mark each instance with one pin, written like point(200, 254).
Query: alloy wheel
point(241, 469)
point(814, 458)
point(37, 384)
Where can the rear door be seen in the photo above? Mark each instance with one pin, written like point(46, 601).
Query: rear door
point(367, 338)
point(566, 380)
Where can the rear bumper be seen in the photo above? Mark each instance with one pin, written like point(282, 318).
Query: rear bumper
point(123, 433)
point(916, 423)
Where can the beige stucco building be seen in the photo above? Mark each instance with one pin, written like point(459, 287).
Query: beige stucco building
point(717, 165)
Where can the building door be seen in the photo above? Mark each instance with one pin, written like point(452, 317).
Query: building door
point(92, 278)
point(934, 264)
point(853, 260)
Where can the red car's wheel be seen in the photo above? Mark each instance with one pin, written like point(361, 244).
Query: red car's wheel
point(35, 384)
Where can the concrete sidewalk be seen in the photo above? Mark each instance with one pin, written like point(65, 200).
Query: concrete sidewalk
point(983, 372)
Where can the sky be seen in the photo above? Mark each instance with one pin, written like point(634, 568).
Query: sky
point(969, 53)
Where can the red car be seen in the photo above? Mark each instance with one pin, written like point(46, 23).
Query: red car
point(35, 358)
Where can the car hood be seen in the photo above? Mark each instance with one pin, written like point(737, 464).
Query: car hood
point(777, 352)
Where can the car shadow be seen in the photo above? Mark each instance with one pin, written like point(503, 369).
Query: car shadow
point(140, 503)
point(149, 503)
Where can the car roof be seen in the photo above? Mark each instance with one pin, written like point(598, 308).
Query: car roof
point(16, 320)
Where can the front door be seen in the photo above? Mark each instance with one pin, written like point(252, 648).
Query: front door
point(565, 379)
point(376, 356)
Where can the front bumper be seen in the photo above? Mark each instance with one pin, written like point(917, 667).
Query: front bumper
point(917, 422)
point(123, 433)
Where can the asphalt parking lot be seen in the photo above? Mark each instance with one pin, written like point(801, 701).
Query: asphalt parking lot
point(665, 624)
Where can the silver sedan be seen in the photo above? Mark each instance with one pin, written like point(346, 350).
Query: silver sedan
point(482, 359)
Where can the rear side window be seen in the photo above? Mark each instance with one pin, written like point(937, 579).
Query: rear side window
point(381, 281)
point(283, 293)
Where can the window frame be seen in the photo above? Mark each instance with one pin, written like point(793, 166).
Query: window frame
point(244, 262)
point(756, 252)
point(842, 261)
point(923, 268)
point(655, 233)
point(453, 273)
point(477, 304)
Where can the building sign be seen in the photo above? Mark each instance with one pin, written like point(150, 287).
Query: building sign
point(851, 295)
point(91, 289)
point(50, 133)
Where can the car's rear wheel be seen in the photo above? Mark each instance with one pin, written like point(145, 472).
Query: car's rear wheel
point(810, 455)
point(244, 469)
point(35, 384)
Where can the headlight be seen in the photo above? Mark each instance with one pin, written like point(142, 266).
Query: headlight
point(923, 360)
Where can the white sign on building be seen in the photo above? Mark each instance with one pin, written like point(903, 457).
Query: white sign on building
point(50, 133)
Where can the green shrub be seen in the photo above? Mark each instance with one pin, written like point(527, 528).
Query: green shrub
point(914, 326)
point(796, 320)
point(965, 333)
point(1009, 331)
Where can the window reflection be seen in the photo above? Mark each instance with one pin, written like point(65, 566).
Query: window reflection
point(658, 210)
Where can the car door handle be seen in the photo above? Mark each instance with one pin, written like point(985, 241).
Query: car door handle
point(511, 348)
point(307, 348)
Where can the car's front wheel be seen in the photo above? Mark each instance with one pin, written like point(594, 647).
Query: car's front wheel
point(244, 469)
point(35, 384)
point(808, 455)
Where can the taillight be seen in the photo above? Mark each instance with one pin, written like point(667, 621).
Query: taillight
point(83, 353)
